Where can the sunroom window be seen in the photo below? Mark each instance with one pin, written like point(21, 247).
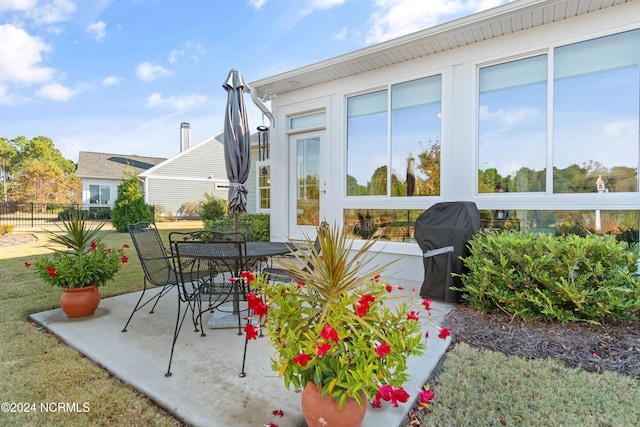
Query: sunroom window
point(393, 140)
point(596, 114)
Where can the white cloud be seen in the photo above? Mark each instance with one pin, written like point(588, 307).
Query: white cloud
point(55, 92)
point(620, 128)
point(148, 71)
point(341, 35)
point(395, 18)
point(21, 55)
point(325, 4)
point(111, 80)
point(177, 103)
point(52, 11)
point(5, 97)
point(97, 30)
point(257, 3)
point(175, 54)
point(17, 4)
point(508, 117)
point(192, 50)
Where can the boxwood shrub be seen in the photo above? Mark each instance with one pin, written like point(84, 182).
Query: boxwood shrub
point(565, 278)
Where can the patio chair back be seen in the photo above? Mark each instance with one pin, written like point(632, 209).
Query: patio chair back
point(156, 264)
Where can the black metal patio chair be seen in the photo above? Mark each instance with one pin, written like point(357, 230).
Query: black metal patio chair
point(156, 263)
point(209, 266)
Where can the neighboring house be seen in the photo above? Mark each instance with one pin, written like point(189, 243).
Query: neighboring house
point(200, 169)
point(519, 108)
point(101, 173)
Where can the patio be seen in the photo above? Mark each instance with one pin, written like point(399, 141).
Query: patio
point(205, 388)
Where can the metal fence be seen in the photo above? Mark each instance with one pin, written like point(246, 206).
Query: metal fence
point(33, 215)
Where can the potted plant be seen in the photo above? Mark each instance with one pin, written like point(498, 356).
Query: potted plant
point(80, 263)
point(333, 330)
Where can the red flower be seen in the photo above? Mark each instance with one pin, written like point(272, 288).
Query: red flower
point(251, 331)
point(376, 278)
point(51, 271)
point(427, 303)
point(329, 334)
point(444, 333)
point(388, 287)
point(301, 283)
point(125, 246)
point(425, 397)
point(322, 349)
point(94, 245)
point(257, 305)
point(383, 349)
point(124, 259)
point(247, 276)
point(302, 359)
point(278, 412)
point(363, 304)
point(413, 315)
point(26, 264)
point(392, 394)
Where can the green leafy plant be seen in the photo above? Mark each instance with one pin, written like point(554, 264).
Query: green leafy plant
point(84, 261)
point(129, 207)
point(333, 325)
point(564, 278)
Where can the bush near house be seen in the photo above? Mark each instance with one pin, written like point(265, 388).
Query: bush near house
point(564, 278)
point(129, 206)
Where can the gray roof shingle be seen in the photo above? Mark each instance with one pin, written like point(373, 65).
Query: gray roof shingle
point(112, 166)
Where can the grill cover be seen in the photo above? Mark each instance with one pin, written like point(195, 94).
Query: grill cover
point(442, 232)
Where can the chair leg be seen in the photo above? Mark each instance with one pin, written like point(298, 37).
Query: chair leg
point(176, 332)
point(136, 307)
point(244, 356)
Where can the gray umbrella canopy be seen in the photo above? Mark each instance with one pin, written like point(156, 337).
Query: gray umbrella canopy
point(237, 150)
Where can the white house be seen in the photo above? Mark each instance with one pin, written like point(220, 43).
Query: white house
point(101, 173)
point(518, 108)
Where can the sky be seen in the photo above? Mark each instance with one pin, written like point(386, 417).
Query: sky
point(121, 76)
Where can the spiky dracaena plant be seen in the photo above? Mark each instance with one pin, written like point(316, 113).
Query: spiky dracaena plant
point(335, 324)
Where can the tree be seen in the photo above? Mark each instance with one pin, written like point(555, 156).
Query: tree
point(429, 164)
point(129, 207)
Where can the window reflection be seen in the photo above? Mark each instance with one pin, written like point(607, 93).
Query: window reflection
point(512, 134)
point(406, 160)
point(397, 225)
point(596, 114)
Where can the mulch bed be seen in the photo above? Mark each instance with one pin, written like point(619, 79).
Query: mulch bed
point(612, 346)
point(13, 239)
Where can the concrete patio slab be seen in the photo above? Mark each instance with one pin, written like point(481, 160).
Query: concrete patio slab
point(205, 388)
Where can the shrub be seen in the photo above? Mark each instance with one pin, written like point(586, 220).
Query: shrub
point(7, 228)
point(555, 278)
point(190, 210)
point(103, 214)
point(129, 206)
point(213, 208)
point(67, 213)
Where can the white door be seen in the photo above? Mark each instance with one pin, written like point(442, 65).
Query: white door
point(307, 188)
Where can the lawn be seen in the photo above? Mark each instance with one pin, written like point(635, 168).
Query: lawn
point(475, 387)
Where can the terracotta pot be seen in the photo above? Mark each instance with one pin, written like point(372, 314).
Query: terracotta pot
point(321, 411)
point(80, 302)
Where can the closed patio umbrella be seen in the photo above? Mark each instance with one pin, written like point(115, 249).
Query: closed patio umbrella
point(237, 150)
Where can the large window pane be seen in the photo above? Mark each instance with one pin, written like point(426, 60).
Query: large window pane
point(415, 137)
point(512, 136)
point(367, 151)
point(94, 194)
point(596, 114)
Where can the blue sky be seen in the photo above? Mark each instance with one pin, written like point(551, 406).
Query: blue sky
point(120, 76)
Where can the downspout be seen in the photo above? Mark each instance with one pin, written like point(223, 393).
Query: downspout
point(261, 106)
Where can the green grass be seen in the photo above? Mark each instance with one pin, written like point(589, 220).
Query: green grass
point(475, 388)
